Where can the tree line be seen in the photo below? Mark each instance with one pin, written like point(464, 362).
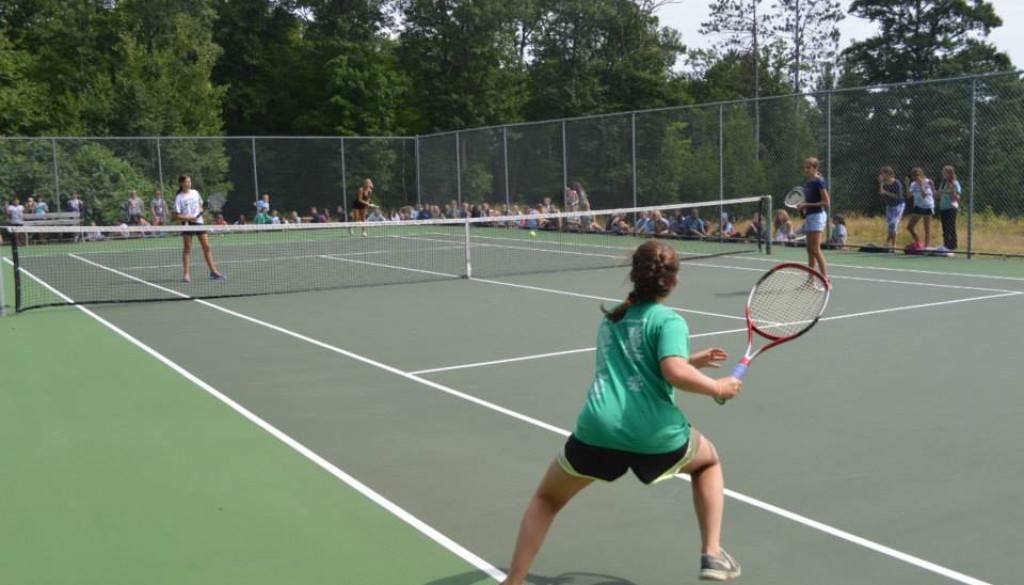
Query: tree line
point(414, 67)
point(201, 68)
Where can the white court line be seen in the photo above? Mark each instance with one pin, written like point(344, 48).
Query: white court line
point(308, 453)
point(458, 549)
point(547, 355)
point(693, 336)
point(585, 296)
point(820, 526)
point(775, 260)
point(389, 266)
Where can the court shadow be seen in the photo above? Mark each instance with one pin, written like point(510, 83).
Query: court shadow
point(575, 578)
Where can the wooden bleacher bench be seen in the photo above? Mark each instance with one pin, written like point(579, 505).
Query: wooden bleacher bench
point(55, 218)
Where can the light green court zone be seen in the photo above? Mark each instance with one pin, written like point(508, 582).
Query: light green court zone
point(118, 470)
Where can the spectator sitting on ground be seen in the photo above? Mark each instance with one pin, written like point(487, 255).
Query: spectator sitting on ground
point(725, 229)
point(93, 235)
point(589, 223)
point(783, 226)
point(755, 231)
point(549, 223)
point(618, 225)
point(839, 234)
point(692, 226)
point(661, 225)
point(644, 225)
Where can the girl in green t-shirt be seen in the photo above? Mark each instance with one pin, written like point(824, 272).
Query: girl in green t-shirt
point(630, 420)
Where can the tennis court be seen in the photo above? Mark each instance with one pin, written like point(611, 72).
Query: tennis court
point(393, 434)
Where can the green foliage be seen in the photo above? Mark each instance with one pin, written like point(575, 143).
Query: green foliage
point(922, 39)
point(461, 61)
point(600, 56)
point(22, 100)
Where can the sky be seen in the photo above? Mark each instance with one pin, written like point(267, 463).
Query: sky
point(686, 16)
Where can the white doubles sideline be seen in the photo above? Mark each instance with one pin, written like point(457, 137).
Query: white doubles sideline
point(426, 529)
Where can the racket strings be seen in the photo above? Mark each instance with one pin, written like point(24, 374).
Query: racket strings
point(794, 197)
point(787, 302)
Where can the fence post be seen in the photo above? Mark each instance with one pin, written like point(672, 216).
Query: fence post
point(721, 153)
point(970, 188)
point(504, 164)
point(255, 174)
point(458, 169)
point(632, 131)
point(3, 300)
point(828, 171)
point(565, 167)
point(419, 185)
point(159, 164)
point(56, 172)
point(344, 179)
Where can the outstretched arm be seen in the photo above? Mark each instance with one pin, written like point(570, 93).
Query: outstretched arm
point(683, 375)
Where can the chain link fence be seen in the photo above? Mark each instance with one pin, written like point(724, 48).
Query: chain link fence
point(684, 154)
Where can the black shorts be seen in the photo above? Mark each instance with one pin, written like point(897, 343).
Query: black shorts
point(359, 204)
point(583, 460)
point(196, 233)
point(923, 211)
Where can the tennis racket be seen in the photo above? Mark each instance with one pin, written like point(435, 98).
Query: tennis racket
point(794, 198)
point(216, 202)
point(783, 305)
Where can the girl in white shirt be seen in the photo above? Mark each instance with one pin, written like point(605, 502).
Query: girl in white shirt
point(188, 207)
point(923, 191)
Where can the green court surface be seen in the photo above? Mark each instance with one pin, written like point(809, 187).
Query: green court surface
point(393, 434)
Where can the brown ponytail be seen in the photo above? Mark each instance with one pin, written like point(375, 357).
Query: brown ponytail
point(655, 265)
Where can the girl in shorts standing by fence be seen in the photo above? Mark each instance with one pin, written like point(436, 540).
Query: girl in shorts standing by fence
point(923, 191)
point(949, 205)
point(814, 208)
point(891, 191)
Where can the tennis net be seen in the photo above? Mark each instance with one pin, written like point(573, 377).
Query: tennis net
point(60, 265)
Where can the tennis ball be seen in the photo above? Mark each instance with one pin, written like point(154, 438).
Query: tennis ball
point(533, 234)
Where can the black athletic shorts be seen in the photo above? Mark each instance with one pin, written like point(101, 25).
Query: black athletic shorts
point(583, 460)
point(189, 233)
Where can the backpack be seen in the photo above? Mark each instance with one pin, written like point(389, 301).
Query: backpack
point(914, 249)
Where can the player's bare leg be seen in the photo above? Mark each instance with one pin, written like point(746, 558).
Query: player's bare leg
point(553, 493)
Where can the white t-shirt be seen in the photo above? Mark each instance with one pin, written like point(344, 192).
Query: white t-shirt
point(189, 203)
point(15, 214)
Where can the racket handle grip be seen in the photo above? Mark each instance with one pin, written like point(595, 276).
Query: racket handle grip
point(737, 372)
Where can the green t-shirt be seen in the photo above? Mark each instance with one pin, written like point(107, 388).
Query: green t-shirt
point(630, 406)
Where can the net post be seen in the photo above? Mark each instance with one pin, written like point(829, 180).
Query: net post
point(3, 299)
point(469, 262)
point(767, 217)
point(17, 272)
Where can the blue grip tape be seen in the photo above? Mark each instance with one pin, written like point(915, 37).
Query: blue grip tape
point(740, 370)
